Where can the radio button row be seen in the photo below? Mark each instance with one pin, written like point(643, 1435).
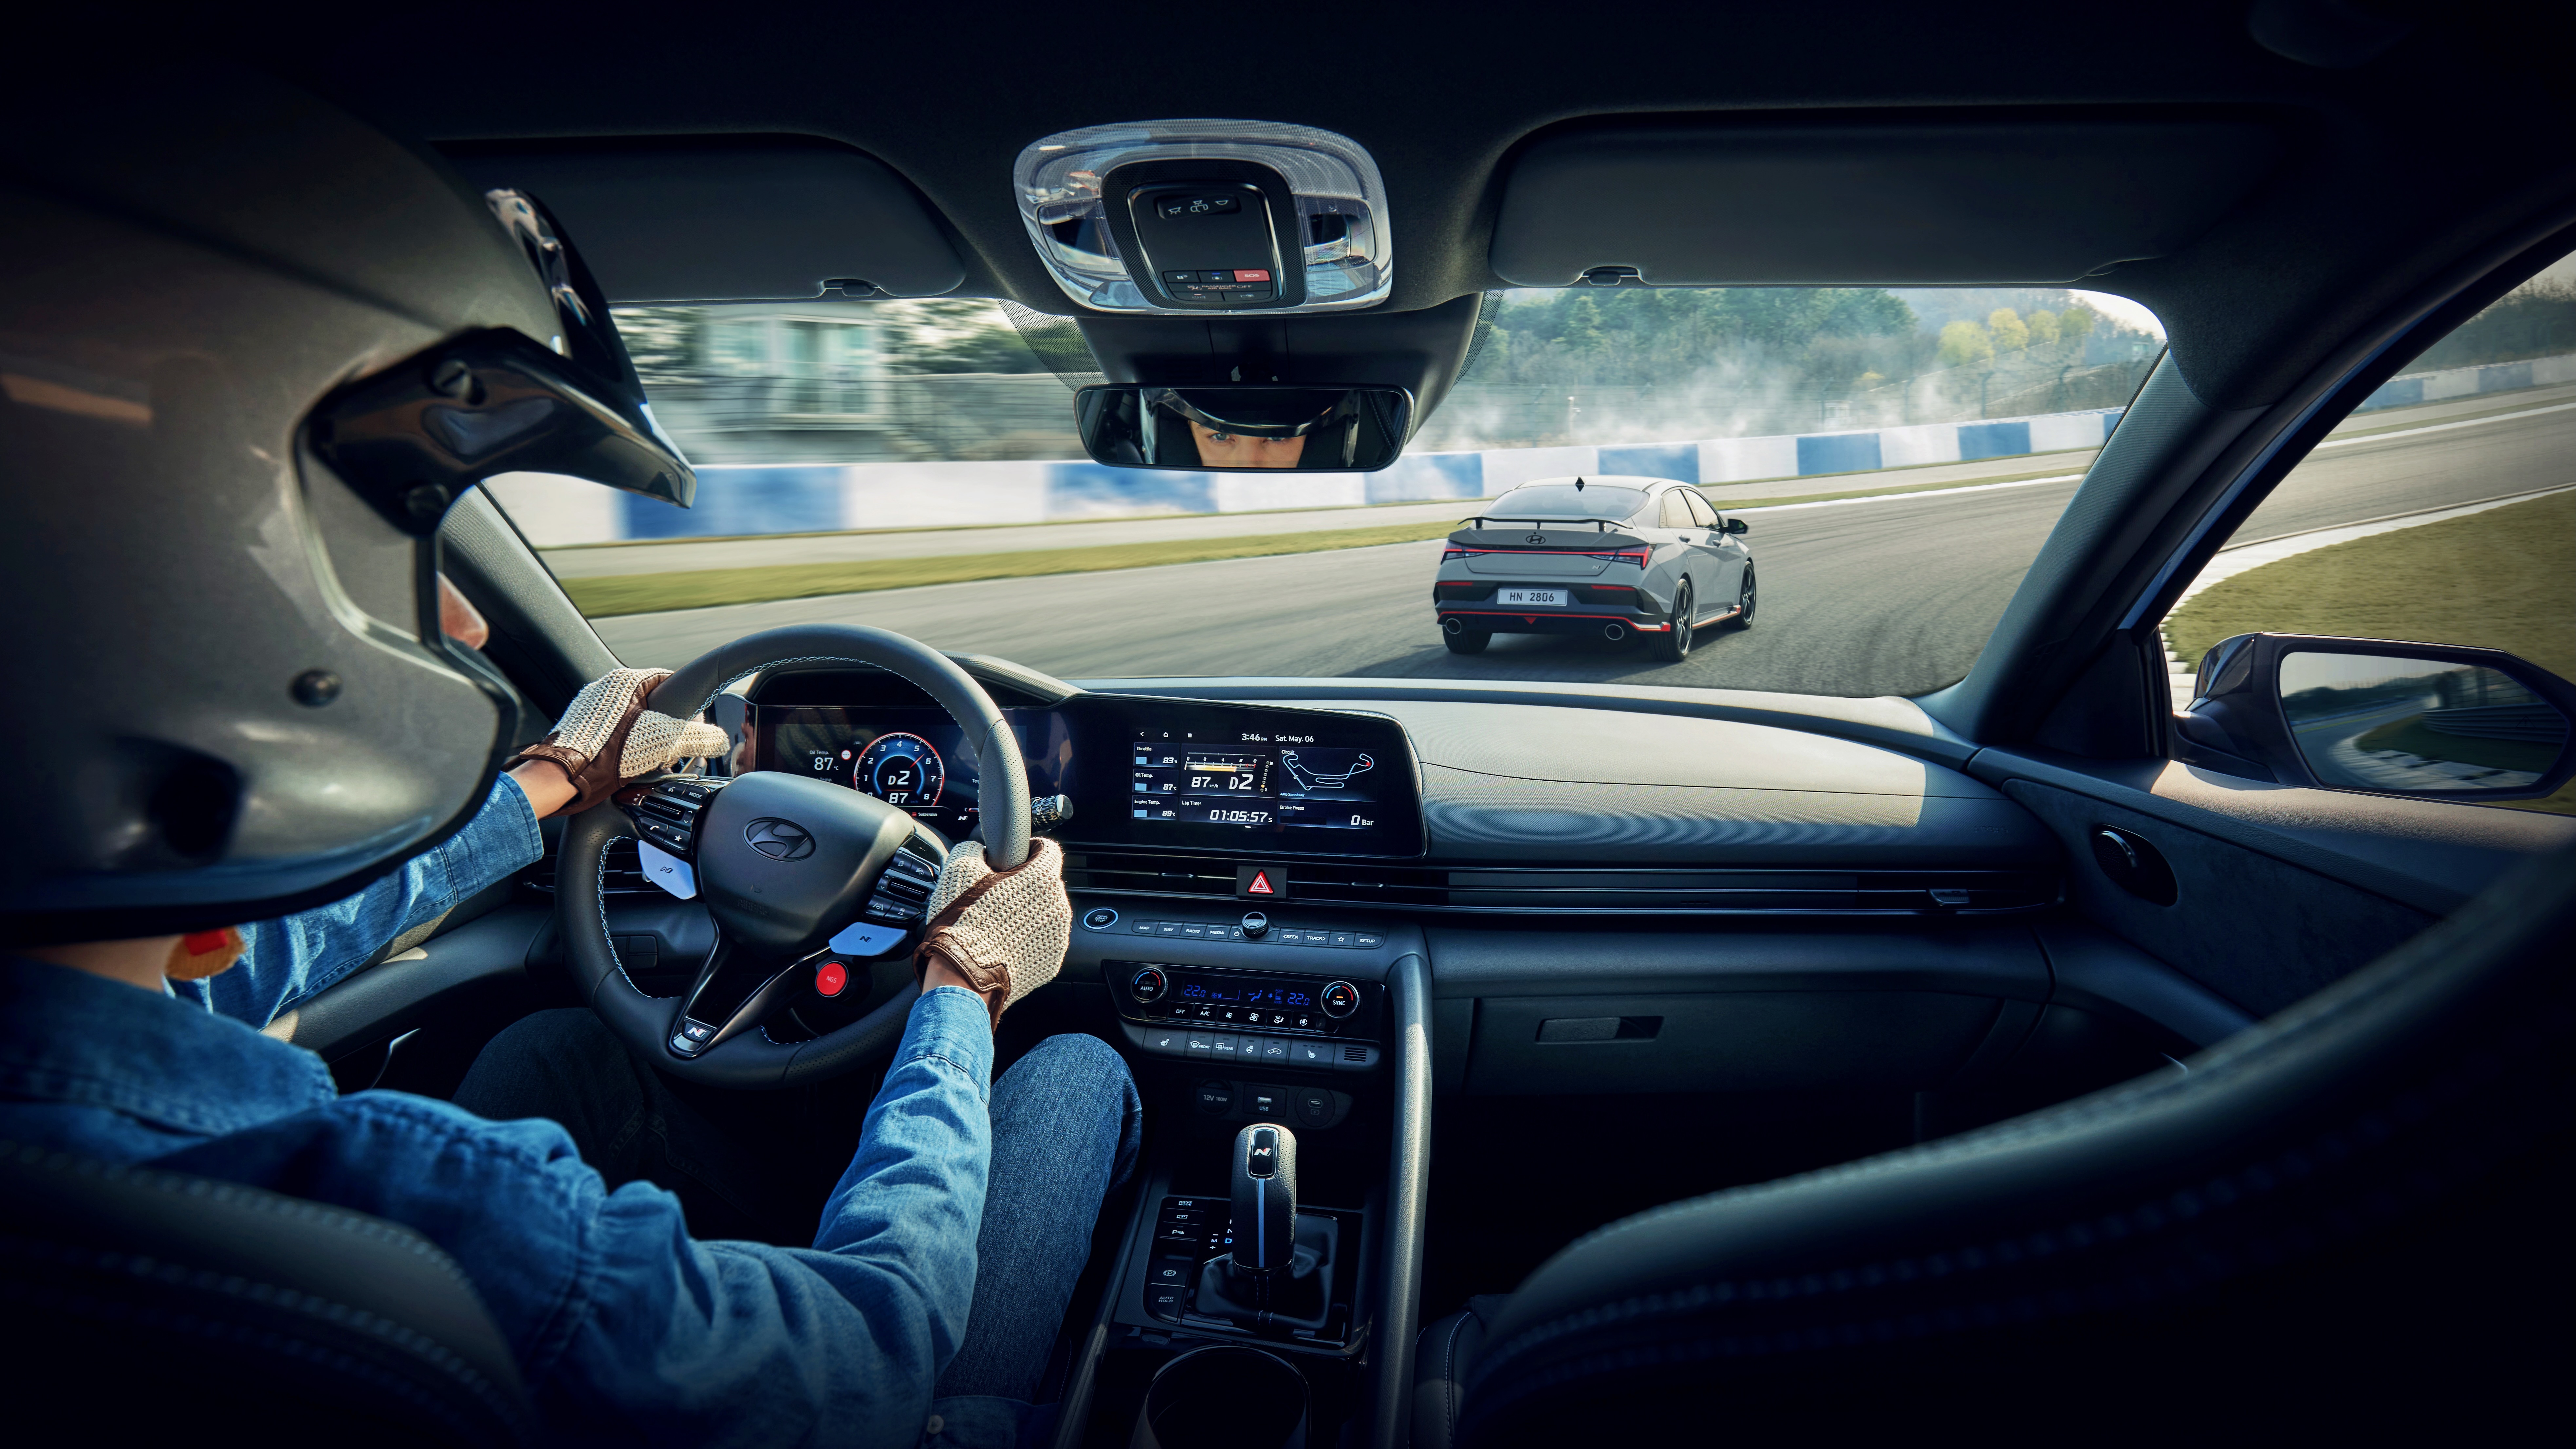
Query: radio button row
point(1317, 1054)
point(1265, 933)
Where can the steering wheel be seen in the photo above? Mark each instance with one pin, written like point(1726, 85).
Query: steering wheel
point(784, 863)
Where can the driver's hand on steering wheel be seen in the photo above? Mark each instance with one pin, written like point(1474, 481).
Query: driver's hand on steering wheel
point(607, 737)
point(999, 934)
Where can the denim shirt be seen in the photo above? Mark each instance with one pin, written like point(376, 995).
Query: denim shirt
point(624, 1327)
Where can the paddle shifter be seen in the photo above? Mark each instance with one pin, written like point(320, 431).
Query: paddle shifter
point(1280, 1273)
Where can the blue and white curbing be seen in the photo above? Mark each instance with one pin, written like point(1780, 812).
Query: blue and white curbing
point(2409, 389)
point(827, 497)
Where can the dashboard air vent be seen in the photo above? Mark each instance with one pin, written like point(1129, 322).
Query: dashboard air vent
point(1571, 890)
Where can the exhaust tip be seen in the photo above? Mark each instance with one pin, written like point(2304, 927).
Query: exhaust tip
point(1451, 625)
point(1614, 632)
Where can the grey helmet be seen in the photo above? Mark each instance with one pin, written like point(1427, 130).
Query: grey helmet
point(251, 352)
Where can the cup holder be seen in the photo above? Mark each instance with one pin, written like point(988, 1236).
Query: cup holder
point(1227, 1394)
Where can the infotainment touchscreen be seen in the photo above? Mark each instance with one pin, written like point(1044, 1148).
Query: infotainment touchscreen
point(1255, 778)
point(1298, 781)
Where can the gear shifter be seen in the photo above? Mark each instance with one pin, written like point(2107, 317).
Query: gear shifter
point(1265, 1198)
point(1280, 1274)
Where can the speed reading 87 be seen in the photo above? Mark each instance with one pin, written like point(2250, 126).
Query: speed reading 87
point(901, 769)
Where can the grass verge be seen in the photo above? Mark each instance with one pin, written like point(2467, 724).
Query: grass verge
point(2502, 579)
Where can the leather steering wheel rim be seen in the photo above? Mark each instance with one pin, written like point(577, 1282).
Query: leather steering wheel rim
point(752, 1060)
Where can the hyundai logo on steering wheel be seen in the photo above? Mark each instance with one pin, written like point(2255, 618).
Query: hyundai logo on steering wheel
point(779, 839)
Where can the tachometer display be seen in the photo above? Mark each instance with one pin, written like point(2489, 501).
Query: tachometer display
point(901, 769)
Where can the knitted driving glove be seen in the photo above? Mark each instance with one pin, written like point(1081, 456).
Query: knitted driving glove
point(607, 737)
point(1004, 931)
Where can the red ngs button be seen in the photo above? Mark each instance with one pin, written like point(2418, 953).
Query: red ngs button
point(830, 978)
point(1256, 274)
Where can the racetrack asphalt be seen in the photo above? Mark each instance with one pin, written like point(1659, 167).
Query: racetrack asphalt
point(1878, 596)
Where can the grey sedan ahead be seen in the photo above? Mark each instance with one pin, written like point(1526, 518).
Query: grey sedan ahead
point(1609, 556)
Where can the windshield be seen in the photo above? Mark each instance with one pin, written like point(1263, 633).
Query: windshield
point(1564, 500)
point(1882, 465)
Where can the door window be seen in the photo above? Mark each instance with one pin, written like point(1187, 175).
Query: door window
point(1701, 512)
point(2442, 511)
point(1677, 514)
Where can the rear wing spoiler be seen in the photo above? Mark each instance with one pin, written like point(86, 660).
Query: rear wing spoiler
point(1588, 535)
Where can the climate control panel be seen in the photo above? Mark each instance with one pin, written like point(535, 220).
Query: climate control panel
point(1294, 1021)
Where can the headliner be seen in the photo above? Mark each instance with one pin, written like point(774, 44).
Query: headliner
point(2411, 171)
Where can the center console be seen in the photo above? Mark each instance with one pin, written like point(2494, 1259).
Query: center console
point(1271, 1250)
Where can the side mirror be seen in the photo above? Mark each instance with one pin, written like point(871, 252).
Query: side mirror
point(2432, 720)
point(1738, 525)
point(1231, 427)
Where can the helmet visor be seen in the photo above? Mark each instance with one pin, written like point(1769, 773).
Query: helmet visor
point(415, 436)
point(1287, 413)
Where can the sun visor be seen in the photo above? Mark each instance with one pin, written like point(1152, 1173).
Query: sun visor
point(1918, 202)
point(731, 222)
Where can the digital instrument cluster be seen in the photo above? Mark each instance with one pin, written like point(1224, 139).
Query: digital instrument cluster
point(1141, 773)
point(914, 759)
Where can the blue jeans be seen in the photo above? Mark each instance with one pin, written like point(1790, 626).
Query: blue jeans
point(1066, 1124)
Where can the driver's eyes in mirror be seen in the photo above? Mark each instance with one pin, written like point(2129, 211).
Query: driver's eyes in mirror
point(1230, 427)
point(1237, 450)
point(2385, 722)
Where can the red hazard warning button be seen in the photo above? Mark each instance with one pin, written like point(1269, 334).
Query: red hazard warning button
point(1261, 882)
point(830, 977)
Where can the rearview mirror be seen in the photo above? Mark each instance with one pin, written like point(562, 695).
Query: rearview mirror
point(2433, 720)
point(1233, 427)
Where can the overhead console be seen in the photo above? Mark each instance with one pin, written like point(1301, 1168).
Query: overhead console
point(1207, 216)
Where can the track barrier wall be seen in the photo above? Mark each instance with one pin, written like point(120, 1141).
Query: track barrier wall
point(815, 498)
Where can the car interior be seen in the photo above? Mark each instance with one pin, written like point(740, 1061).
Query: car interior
point(2065, 1048)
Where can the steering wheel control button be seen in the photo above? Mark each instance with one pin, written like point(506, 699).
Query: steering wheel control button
point(831, 978)
point(1340, 999)
point(1100, 918)
point(1255, 925)
point(1148, 985)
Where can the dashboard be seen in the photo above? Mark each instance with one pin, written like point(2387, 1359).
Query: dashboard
point(1139, 772)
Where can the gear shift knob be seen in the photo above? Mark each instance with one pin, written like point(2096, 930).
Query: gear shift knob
point(1265, 1198)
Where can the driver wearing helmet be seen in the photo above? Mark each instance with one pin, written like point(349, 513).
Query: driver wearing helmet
point(255, 354)
point(1287, 428)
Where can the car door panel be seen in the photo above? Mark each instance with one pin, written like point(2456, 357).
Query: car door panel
point(2280, 889)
